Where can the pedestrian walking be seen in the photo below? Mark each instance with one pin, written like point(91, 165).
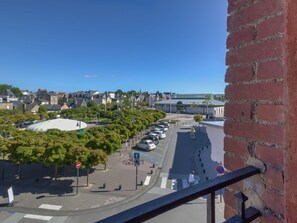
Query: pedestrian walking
point(126, 144)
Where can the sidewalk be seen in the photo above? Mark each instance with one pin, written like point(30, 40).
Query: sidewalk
point(119, 179)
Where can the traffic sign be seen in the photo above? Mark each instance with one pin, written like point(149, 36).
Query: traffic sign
point(136, 159)
point(220, 169)
point(78, 165)
point(136, 156)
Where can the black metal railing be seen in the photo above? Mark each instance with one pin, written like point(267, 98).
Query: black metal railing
point(165, 203)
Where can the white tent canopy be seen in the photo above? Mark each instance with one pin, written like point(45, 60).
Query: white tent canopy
point(59, 123)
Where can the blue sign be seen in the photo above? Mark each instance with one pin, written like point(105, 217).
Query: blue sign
point(136, 156)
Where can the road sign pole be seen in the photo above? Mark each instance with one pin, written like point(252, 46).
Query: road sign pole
point(77, 174)
point(136, 176)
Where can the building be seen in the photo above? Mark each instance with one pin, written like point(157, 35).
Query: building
point(6, 105)
point(215, 133)
point(214, 108)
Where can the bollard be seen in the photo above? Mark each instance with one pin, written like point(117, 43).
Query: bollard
point(152, 171)
point(201, 164)
point(120, 187)
point(203, 170)
point(206, 178)
point(141, 183)
point(153, 165)
point(104, 185)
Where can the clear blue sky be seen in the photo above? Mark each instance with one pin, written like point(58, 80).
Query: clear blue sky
point(105, 45)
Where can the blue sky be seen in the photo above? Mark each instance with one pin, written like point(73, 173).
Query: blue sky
point(105, 45)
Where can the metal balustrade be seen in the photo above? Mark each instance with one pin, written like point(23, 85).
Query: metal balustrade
point(165, 203)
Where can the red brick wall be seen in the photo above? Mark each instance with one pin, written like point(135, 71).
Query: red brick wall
point(261, 105)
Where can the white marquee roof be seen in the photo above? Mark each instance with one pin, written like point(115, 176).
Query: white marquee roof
point(59, 123)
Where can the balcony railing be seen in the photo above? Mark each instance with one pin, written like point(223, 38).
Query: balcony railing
point(165, 203)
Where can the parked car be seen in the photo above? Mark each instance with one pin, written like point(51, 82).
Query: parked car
point(157, 129)
point(146, 145)
point(155, 139)
point(152, 134)
point(165, 124)
point(163, 128)
point(161, 134)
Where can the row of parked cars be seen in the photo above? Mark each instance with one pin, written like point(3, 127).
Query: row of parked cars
point(152, 138)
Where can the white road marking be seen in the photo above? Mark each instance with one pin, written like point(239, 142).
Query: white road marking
point(164, 182)
point(38, 217)
point(147, 180)
point(50, 206)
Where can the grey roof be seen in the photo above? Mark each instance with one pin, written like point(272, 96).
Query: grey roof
point(53, 107)
point(18, 104)
point(9, 93)
point(190, 102)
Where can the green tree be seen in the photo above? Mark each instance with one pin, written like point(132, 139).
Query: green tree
point(194, 106)
point(94, 158)
point(91, 103)
point(17, 92)
point(207, 102)
point(198, 118)
point(179, 107)
point(54, 154)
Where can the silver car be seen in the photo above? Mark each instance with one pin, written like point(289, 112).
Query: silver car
point(146, 145)
point(161, 134)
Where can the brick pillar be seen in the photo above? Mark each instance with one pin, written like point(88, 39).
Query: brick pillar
point(261, 105)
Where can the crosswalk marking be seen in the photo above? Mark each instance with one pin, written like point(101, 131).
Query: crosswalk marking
point(164, 182)
point(147, 180)
point(50, 206)
point(176, 183)
point(38, 217)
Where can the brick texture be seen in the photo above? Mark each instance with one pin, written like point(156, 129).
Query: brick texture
point(270, 113)
point(237, 147)
point(256, 132)
point(256, 52)
point(254, 12)
point(239, 74)
point(271, 69)
point(261, 107)
point(270, 155)
point(257, 91)
point(238, 111)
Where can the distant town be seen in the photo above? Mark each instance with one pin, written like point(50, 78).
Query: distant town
point(12, 98)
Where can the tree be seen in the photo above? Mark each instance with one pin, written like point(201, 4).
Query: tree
point(17, 92)
point(91, 103)
point(55, 154)
point(198, 118)
point(94, 158)
point(207, 102)
point(194, 106)
point(179, 107)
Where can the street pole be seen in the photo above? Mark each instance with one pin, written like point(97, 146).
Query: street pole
point(170, 104)
point(77, 174)
point(136, 176)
